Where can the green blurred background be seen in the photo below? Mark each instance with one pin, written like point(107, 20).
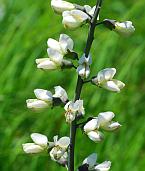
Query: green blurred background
point(25, 27)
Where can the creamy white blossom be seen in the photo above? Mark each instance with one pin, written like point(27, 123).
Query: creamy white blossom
point(84, 66)
point(59, 150)
point(60, 6)
point(40, 144)
point(103, 121)
point(60, 93)
point(74, 18)
point(72, 109)
point(124, 28)
point(56, 51)
point(105, 80)
point(44, 100)
point(90, 10)
point(93, 165)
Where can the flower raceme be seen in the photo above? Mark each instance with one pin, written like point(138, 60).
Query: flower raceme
point(84, 66)
point(73, 109)
point(40, 144)
point(103, 121)
point(60, 6)
point(45, 98)
point(56, 52)
point(90, 164)
point(105, 80)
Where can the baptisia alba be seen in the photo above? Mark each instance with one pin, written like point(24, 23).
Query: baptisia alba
point(90, 164)
point(105, 80)
point(73, 109)
point(56, 52)
point(74, 18)
point(103, 121)
point(60, 6)
point(40, 144)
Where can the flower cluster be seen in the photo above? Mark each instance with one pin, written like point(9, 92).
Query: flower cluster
point(103, 121)
point(40, 144)
point(46, 99)
point(60, 56)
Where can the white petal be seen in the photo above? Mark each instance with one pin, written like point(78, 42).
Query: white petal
point(111, 86)
point(105, 117)
point(53, 44)
point(106, 74)
point(32, 148)
point(125, 28)
point(39, 139)
point(55, 56)
point(66, 42)
point(119, 84)
point(85, 60)
point(60, 93)
point(79, 15)
point(105, 166)
point(95, 136)
point(91, 125)
point(46, 63)
point(70, 22)
point(55, 138)
point(91, 160)
point(59, 6)
point(111, 126)
point(36, 104)
point(78, 105)
point(43, 95)
point(63, 142)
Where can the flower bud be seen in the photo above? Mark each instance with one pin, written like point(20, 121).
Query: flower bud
point(32, 148)
point(95, 136)
point(43, 95)
point(74, 18)
point(60, 93)
point(60, 6)
point(36, 104)
point(46, 63)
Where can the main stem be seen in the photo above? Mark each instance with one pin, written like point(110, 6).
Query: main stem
point(79, 86)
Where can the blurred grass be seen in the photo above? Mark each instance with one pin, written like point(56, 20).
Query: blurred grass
point(24, 29)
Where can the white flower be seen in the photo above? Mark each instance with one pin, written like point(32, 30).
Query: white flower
point(39, 145)
point(60, 6)
point(43, 95)
point(58, 152)
point(60, 93)
point(56, 51)
point(36, 104)
point(74, 18)
point(44, 100)
point(90, 10)
point(72, 109)
point(103, 121)
point(92, 165)
point(105, 80)
point(84, 66)
point(125, 28)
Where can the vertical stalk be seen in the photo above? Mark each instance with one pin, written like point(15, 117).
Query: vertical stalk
point(79, 86)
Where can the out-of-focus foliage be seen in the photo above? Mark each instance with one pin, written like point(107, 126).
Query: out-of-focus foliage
point(25, 26)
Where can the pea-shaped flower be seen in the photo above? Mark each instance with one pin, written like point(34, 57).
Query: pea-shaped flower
point(74, 18)
point(44, 99)
point(105, 80)
point(124, 28)
point(84, 66)
point(90, 164)
point(40, 144)
point(56, 52)
point(60, 6)
point(60, 93)
point(103, 121)
point(59, 150)
point(73, 109)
